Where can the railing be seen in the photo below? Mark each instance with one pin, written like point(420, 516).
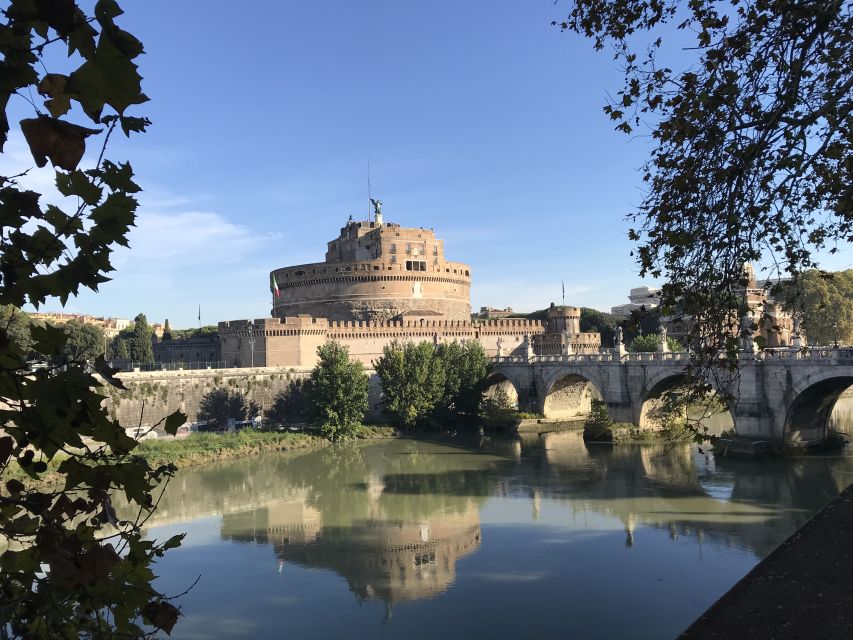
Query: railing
point(809, 353)
point(131, 365)
point(604, 356)
point(833, 354)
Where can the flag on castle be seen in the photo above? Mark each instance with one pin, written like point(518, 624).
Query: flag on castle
point(274, 286)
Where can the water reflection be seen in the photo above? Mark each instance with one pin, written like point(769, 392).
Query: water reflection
point(404, 521)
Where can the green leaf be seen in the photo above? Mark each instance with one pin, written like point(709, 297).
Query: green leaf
point(78, 184)
point(107, 78)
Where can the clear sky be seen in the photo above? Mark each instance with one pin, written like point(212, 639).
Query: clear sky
point(479, 118)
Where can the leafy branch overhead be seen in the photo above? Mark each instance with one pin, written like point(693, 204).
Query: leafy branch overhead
point(753, 141)
point(73, 566)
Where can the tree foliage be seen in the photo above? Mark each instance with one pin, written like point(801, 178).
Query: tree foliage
point(412, 377)
point(337, 392)
point(825, 301)
point(465, 366)
point(753, 141)
point(650, 342)
point(85, 342)
point(423, 382)
point(134, 342)
point(16, 324)
point(70, 568)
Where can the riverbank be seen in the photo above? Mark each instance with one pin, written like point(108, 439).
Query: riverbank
point(801, 590)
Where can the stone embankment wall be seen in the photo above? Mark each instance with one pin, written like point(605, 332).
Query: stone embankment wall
point(153, 395)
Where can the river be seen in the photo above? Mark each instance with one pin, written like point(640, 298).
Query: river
point(537, 536)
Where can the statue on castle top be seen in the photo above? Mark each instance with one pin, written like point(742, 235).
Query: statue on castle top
point(377, 206)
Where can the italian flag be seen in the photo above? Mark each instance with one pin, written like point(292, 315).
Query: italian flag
point(274, 286)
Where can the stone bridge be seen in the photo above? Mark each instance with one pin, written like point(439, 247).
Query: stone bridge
point(779, 394)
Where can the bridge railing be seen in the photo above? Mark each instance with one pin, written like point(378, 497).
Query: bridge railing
point(826, 354)
point(810, 353)
point(604, 356)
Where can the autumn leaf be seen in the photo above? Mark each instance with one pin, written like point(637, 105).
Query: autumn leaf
point(61, 142)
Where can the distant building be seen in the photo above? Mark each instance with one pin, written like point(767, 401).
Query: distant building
point(491, 312)
point(640, 297)
point(110, 326)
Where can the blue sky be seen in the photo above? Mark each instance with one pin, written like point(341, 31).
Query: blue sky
point(480, 120)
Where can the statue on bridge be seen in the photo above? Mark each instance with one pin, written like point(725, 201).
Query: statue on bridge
point(747, 330)
point(663, 343)
point(528, 344)
point(618, 345)
point(500, 344)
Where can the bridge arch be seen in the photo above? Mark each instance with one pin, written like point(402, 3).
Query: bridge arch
point(714, 413)
point(569, 396)
point(807, 418)
point(497, 382)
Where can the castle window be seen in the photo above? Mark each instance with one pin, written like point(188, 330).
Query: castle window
point(299, 273)
point(393, 259)
point(435, 249)
point(376, 267)
point(408, 248)
point(416, 265)
point(466, 273)
point(393, 248)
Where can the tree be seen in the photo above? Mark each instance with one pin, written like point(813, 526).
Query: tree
point(753, 153)
point(412, 377)
point(220, 405)
point(337, 392)
point(649, 343)
point(16, 323)
point(826, 304)
point(599, 322)
point(465, 366)
point(70, 568)
point(140, 340)
point(85, 342)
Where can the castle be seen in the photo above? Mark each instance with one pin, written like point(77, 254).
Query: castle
point(381, 282)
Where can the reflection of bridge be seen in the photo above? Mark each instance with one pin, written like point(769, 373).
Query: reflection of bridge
point(780, 394)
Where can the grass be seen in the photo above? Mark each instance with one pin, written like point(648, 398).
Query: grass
point(206, 447)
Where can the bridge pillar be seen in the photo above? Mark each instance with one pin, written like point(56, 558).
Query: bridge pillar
point(753, 415)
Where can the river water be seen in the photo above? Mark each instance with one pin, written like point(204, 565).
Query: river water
point(541, 536)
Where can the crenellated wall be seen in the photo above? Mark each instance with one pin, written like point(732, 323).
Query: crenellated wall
point(293, 342)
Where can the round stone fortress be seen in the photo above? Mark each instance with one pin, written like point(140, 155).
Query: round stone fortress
point(376, 271)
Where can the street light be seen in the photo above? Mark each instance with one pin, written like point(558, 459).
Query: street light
point(835, 329)
point(252, 344)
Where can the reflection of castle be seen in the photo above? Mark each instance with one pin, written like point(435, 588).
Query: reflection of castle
point(381, 282)
point(386, 559)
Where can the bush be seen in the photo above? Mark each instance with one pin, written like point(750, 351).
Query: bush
point(498, 412)
point(598, 426)
point(337, 393)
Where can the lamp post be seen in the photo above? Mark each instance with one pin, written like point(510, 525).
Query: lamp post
point(252, 344)
point(835, 330)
